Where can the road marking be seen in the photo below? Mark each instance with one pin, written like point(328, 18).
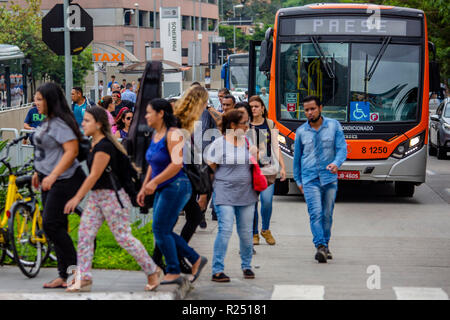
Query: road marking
point(296, 292)
point(431, 173)
point(413, 293)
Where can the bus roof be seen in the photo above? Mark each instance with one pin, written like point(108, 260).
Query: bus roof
point(347, 8)
point(8, 52)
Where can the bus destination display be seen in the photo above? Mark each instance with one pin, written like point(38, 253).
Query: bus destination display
point(351, 26)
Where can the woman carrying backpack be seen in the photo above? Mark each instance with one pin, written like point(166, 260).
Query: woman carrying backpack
point(171, 187)
point(270, 159)
point(103, 204)
point(58, 171)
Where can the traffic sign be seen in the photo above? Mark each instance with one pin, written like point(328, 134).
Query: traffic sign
point(81, 29)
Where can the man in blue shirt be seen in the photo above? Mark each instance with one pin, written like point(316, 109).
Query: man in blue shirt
point(128, 94)
point(33, 120)
point(320, 149)
point(79, 104)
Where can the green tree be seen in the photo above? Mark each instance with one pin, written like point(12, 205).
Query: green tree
point(22, 26)
point(437, 13)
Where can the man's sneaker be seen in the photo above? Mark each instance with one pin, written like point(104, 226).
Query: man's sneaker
point(203, 224)
point(220, 277)
point(321, 254)
point(329, 255)
point(268, 236)
point(255, 239)
point(248, 274)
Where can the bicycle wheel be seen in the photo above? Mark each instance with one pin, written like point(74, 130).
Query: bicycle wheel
point(2, 255)
point(48, 252)
point(27, 255)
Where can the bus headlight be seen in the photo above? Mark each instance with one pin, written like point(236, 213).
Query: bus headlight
point(409, 147)
point(414, 141)
point(446, 126)
point(281, 139)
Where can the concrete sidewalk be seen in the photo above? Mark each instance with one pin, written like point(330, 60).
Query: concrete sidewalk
point(107, 285)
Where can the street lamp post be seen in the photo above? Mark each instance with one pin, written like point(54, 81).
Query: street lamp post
point(234, 25)
point(137, 23)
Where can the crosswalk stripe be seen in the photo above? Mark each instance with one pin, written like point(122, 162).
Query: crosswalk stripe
point(297, 292)
point(415, 293)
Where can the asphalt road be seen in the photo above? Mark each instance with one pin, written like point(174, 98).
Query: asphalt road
point(384, 247)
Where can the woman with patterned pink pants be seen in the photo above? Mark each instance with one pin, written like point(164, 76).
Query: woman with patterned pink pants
point(103, 204)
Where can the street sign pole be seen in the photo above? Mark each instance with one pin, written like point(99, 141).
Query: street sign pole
point(67, 55)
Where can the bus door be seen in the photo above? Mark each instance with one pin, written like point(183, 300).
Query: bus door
point(256, 79)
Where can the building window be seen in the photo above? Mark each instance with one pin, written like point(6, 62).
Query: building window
point(212, 24)
point(129, 45)
point(186, 23)
point(151, 20)
point(127, 17)
point(204, 22)
point(185, 52)
point(141, 18)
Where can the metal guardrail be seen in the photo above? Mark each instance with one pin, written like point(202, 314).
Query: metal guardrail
point(21, 153)
point(5, 108)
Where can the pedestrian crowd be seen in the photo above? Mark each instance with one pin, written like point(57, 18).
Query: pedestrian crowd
point(238, 144)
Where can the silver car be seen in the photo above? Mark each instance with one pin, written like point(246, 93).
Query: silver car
point(439, 134)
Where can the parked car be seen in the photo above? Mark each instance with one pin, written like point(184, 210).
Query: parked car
point(439, 133)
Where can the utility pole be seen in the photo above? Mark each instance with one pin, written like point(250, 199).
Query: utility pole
point(67, 55)
point(154, 25)
point(194, 77)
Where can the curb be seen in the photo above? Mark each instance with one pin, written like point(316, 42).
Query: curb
point(165, 292)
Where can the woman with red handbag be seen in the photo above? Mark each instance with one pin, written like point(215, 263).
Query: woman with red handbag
point(235, 197)
point(271, 160)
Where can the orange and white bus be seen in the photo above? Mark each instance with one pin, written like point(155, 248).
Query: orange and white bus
point(369, 65)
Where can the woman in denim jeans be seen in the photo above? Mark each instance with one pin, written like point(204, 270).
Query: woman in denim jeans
point(171, 187)
point(271, 161)
point(234, 196)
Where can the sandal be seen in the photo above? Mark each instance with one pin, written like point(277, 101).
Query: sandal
point(150, 287)
point(83, 287)
point(49, 285)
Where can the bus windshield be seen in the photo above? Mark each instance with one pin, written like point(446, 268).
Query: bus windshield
point(238, 77)
point(389, 94)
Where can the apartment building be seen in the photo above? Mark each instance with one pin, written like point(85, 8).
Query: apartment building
point(133, 24)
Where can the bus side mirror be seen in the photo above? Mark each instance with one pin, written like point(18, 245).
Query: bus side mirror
point(265, 57)
point(435, 83)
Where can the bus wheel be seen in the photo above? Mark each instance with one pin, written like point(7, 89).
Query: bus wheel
point(281, 187)
point(404, 189)
point(432, 151)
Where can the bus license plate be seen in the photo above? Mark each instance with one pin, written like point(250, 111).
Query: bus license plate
point(348, 175)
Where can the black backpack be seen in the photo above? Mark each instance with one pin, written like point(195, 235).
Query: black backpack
point(127, 176)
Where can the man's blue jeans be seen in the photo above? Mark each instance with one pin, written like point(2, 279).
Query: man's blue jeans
point(167, 205)
point(244, 221)
point(320, 202)
point(266, 198)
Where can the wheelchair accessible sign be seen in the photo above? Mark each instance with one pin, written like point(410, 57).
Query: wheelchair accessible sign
point(359, 111)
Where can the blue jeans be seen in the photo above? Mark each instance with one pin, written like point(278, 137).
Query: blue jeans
point(320, 202)
point(167, 205)
point(266, 198)
point(225, 219)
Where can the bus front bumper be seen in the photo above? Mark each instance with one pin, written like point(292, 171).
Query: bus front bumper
point(411, 168)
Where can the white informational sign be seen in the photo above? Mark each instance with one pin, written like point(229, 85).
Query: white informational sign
point(170, 35)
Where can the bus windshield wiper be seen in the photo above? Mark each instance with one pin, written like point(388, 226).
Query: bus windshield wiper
point(377, 59)
point(325, 63)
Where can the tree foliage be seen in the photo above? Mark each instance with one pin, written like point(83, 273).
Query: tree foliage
point(22, 26)
point(263, 11)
